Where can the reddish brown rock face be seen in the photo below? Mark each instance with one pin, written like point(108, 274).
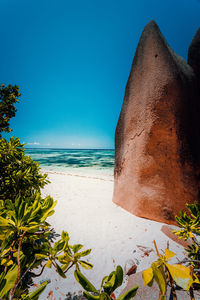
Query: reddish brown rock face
point(157, 139)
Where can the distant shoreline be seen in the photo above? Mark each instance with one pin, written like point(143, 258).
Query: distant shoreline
point(82, 149)
point(105, 178)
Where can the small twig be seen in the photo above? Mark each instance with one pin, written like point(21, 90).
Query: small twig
point(156, 248)
point(37, 275)
point(69, 267)
point(167, 244)
point(26, 272)
point(191, 293)
point(173, 291)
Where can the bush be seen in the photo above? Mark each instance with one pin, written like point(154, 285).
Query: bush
point(26, 243)
point(20, 175)
point(8, 97)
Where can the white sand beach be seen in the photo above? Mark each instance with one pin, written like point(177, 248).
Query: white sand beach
point(85, 209)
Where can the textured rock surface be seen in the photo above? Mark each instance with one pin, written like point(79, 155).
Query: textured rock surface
point(157, 139)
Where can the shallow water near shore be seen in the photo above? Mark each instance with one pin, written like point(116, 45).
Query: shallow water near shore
point(83, 162)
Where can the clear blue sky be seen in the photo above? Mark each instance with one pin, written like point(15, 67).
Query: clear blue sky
point(72, 58)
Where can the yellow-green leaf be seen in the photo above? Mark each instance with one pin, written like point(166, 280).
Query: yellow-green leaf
point(85, 264)
point(90, 296)
point(147, 276)
point(159, 277)
point(181, 275)
point(84, 282)
point(196, 280)
point(40, 256)
point(10, 278)
point(191, 235)
point(169, 254)
point(49, 264)
point(9, 263)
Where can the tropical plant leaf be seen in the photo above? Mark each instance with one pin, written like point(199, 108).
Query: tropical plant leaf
point(10, 279)
point(49, 264)
point(60, 271)
point(168, 254)
point(147, 276)
point(36, 293)
point(129, 294)
point(84, 282)
point(90, 297)
point(84, 253)
point(181, 275)
point(118, 277)
point(85, 264)
point(159, 277)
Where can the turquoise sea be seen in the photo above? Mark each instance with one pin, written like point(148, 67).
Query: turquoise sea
point(84, 162)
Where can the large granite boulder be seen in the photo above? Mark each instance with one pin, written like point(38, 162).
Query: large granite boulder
point(157, 139)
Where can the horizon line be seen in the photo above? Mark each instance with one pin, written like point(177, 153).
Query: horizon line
point(68, 148)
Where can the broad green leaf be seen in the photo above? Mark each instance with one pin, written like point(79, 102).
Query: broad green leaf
point(84, 253)
point(119, 276)
point(58, 246)
point(111, 281)
point(10, 278)
point(85, 264)
point(30, 229)
point(181, 275)
point(169, 254)
point(77, 247)
point(36, 293)
point(40, 256)
point(65, 235)
point(147, 276)
point(159, 277)
point(89, 296)
point(84, 282)
point(21, 210)
point(65, 258)
point(4, 223)
point(129, 294)
point(60, 271)
point(105, 278)
point(47, 213)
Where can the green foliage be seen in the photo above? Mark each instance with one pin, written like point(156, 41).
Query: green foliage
point(163, 273)
point(26, 244)
point(190, 228)
point(189, 223)
point(108, 285)
point(36, 293)
point(8, 97)
point(20, 175)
